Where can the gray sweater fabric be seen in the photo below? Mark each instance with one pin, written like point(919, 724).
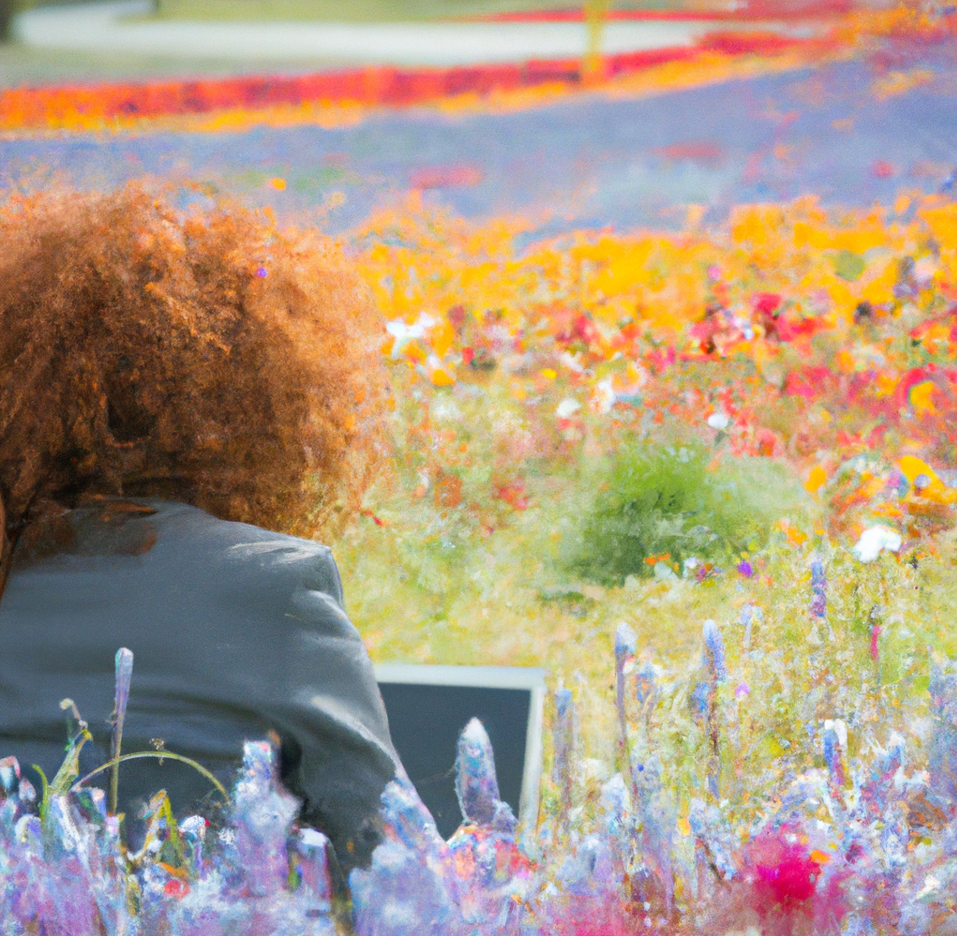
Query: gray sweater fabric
point(236, 631)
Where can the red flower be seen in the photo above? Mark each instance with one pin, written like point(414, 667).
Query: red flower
point(781, 870)
point(766, 303)
point(808, 382)
point(513, 494)
point(176, 888)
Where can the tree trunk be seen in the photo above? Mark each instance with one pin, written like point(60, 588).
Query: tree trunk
point(7, 9)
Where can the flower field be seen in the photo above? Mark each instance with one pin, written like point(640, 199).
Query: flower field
point(707, 479)
point(802, 362)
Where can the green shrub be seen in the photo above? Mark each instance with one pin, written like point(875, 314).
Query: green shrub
point(653, 501)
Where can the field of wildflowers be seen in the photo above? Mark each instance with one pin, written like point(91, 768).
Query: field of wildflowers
point(707, 479)
point(802, 363)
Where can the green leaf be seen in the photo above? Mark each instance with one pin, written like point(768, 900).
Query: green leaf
point(848, 265)
point(45, 796)
point(70, 768)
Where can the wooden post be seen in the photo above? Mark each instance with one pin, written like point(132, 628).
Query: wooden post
point(593, 64)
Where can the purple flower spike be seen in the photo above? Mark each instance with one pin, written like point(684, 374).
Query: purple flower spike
point(818, 608)
point(714, 652)
point(563, 743)
point(193, 831)
point(830, 748)
point(749, 614)
point(646, 683)
point(832, 756)
point(476, 783)
point(942, 764)
point(407, 889)
point(563, 732)
point(261, 813)
point(746, 569)
point(625, 643)
point(717, 672)
point(834, 744)
point(309, 849)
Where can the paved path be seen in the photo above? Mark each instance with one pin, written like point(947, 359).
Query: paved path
point(113, 27)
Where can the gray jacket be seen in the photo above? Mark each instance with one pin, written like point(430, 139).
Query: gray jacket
point(235, 631)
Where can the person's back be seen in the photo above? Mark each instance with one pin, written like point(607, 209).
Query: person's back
point(235, 632)
point(198, 357)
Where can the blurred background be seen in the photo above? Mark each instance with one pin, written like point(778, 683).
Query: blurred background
point(92, 40)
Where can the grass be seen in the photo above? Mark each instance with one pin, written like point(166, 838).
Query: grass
point(21, 65)
point(438, 583)
point(502, 602)
point(427, 589)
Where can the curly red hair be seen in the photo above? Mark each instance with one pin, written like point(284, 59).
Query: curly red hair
point(196, 355)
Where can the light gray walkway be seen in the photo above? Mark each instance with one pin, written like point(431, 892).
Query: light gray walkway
point(112, 27)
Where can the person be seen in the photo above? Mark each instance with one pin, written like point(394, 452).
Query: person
point(184, 393)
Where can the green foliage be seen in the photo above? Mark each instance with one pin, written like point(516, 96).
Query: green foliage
point(434, 578)
point(139, 755)
point(7, 10)
point(70, 768)
point(44, 789)
point(387, 11)
point(655, 501)
point(849, 265)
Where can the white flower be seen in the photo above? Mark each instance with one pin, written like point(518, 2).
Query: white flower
point(603, 396)
point(874, 540)
point(404, 333)
point(930, 885)
point(571, 362)
point(719, 421)
point(567, 408)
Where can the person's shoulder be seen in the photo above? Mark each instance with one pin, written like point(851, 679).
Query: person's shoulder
point(244, 544)
point(150, 528)
point(187, 519)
